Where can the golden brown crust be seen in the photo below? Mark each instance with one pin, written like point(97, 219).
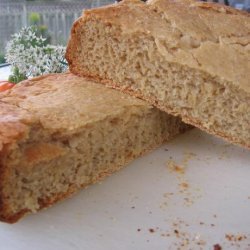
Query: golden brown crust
point(200, 29)
point(30, 103)
point(27, 104)
point(45, 101)
point(195, 30)
point(11, 130)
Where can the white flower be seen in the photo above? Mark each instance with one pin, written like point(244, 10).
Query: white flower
point(32, 56)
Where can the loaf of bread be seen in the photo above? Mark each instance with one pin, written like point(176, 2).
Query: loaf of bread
point(60, 133)
point(188, 58)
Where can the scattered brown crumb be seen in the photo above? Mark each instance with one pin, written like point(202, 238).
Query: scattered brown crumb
point(175, 168)
point(138, 230)
point(179, 230)
point(133, 207)
point(217, 247)
point(187, 192)
point(228, 237)
point(178, 169)
point(188, 156)
point(184, 185)
point(235, 238)
point(201, 243)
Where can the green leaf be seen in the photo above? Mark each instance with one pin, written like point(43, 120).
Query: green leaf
point(16, 76)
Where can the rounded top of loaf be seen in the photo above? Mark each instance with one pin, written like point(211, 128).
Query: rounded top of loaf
point(60, 103)
point(210, 37)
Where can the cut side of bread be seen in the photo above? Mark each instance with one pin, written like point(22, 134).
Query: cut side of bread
point(60, 133)
point(188, 58)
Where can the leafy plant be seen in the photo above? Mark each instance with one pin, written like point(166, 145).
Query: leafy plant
point(40, 30)
point(34, 18)
point(16, 76)
point(30, 55)
point(2, 58)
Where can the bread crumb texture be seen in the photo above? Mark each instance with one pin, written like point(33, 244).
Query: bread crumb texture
point(188, 58)
point(60, 132)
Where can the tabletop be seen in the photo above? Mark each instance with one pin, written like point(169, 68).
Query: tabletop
point(191, 193)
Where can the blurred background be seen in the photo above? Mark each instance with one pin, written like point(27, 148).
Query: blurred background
point(54, 18)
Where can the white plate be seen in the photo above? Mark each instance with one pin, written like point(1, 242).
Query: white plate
point(152, 204)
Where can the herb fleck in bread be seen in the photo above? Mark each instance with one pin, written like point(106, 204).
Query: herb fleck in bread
point(60, 132)
point(188, 58)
